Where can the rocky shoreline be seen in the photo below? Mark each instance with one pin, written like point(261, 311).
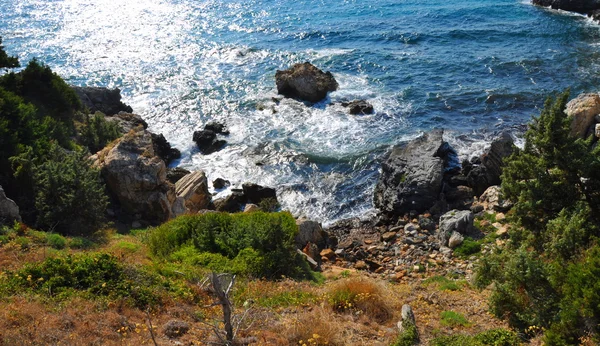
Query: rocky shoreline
point(590, 8)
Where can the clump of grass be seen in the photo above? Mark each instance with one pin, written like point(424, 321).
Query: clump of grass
point(453, 319)
point(409, 337)
point(128, 246)
point(279, 294)
point(443, 283)
point(56, 241)
point(492, 337)
point(468, 247)
point(360, 295)
point(313, 328)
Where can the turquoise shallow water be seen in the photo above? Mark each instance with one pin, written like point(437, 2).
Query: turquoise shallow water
point(473, 67)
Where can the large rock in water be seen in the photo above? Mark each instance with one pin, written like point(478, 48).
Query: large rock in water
point(107, 101)
point(579, 6)
point(582, 110)
point(137, 177)
point(305, 82)
point(193, 188)
point(488, 172)
point(411, 177)
point(9, 211)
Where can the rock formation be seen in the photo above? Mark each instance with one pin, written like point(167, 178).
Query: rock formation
point(9, 211)
point(107, 101)
point(583, 110)
point(411, 177)
point(305, 82)
point(193, 188)
point(486, 170)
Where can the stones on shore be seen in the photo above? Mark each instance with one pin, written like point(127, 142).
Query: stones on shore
point(107, 101)
point(207, 140)
point(580, 6)
point(220, 183)
point(305, 82)
point(9, 211)
point(250, 193)
point(163, 149)
point(411, 177)
point(356, 107)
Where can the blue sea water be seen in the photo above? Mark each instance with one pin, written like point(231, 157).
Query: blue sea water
point(473, 67)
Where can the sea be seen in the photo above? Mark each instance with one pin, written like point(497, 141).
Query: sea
point(472, 67)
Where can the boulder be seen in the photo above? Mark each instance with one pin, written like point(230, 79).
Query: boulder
point(250, 208)
point(220, 183)
point(579, 6)
point(174, 174)
point(492, 199)
point(127, 121)
point(305, 82)
point(207, 141)
point(408, 321)
point(216, 127)
point(411, 177)
point(136, 177)
point(163, 149)
point(232, 203)
point(486, 171)
point(582, 110)
point(460, 221)
point(9, 211)
point(309, 232)
point(460, 197)
point(455, 240)
point(358, 107)
point(193, 188)
point(107, 101)
point(174, 328)
point(255, 193)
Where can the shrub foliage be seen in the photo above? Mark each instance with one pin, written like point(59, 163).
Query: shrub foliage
point(258, 244)
point(547, 276)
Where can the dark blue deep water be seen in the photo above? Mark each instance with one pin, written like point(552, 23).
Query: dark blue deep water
point(473, 67)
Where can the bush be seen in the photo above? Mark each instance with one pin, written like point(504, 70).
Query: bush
point(468, 248)
point(492, 337)
point(257, 244)
point(546, 277)
point(409, 337)
point(70, 196)
point(5, 60)
point(56, 241)
point(453, 319)
point(97, 132)
point(95, 275)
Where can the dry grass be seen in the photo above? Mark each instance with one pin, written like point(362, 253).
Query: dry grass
point(368, 297)
point(315, 327)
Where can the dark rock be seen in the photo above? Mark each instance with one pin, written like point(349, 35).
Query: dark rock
point(163, 149)
point(255, 193)
point(9, 211)
point(427, 224)
point(174, 328)
point(411, 177)
point(358, 107)
point(488, 173)
point(460, 197)
point(207, 141)
point(305, 82)
point(231, 204)
point(216, 128)
point(579, 6)
point(220, 183)
point(174, 174)
point(127, 121)
point(107, 101)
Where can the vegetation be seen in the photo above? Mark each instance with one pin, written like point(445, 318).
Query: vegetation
point(257, 244)
point(547, 276)
point(453, 319)
point(493, 337)
point(5, 60)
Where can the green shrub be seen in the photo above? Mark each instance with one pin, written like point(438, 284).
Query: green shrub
point(56, 241)
point(258, 244)
point(80, 243)
point(95, 275)
point(468, 248)
point(545, 279)
point(492, 337)
point(443, 283)
point(408, 337)
point(70, 197)
point(453, 319)
point(97, 132)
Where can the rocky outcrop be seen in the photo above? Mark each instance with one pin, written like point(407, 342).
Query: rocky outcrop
point(305, 82)
point(232, 203)
point(107, 101)
point(411, 177)
point(193, 188)
point(127, 121)
point(309, 232)
point(250, 193)
point(220, 183)
point(485, 171)
point(358, 107)
point(9, 211)
point(460, 221)
point(207, 139)
point(255, 193)
point(174, 174)
point(579, 6)
point(582, 111)
point(163, 149)
point(137, 178)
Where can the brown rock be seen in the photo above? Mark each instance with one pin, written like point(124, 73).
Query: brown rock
point(305, 82)
point(361, 265)
point(582, 109)
point(328, 253)
point(387, 236)
point(193, 188)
